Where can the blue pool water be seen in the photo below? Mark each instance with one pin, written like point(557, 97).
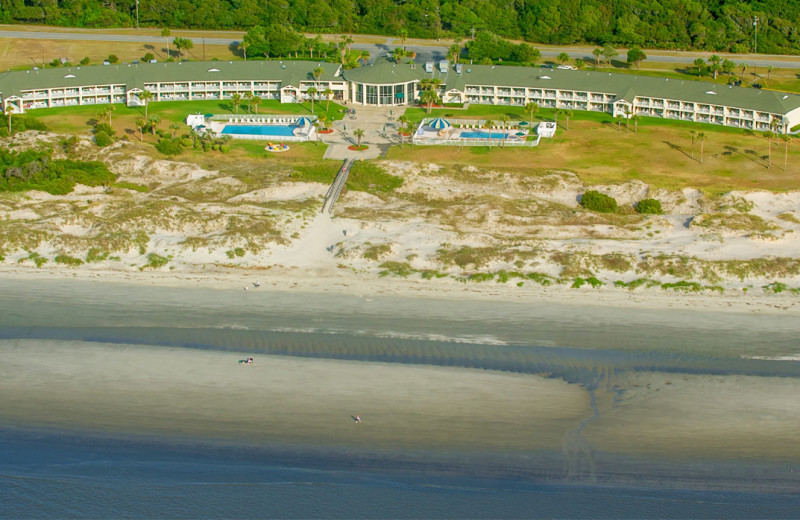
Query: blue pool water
point(276, 130)
point(484, 135)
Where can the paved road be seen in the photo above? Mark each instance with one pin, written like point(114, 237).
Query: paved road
point(424, 52)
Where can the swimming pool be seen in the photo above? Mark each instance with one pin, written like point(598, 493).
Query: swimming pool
point(483, 135)
point(271, 130)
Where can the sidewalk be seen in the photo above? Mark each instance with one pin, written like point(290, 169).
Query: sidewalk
point(380, 133)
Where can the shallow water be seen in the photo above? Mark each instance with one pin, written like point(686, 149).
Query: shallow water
point(63, 470)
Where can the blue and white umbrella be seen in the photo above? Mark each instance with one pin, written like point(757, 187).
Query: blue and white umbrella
point(303, 121)
point(439, 123)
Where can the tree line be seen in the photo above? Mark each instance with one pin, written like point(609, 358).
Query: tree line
point(712, 25)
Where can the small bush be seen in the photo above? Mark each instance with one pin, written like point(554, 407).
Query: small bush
point(600, 202)
point(224, 148)
point(578, 283)
point(68, 260)
point(594, 282)
point(775, 287)
point(102, 139)
point(112, 58)
point(95, 255)
point(649, 207)
point(155, 261)
point(402, 269)
point(377, 252)
point(148, 57)
point(169, 146)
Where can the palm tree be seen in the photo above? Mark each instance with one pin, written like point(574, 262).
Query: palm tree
point(454, 52)
point(504, 119)
point(108, 110)
point(249, 97)
point(769, 134)
point(701, 136)
point(579, 63)
point(165, 32)
point(140, 124)
point(635, 119)
point(429, 97)
point(312, 91)
point(563, 57)
point(398, 54)
point(742, 66)
point(786, 138)
point(358, 133)
point(146, 96)
point(317, 73)
point(532, 108)
point(327, 93)
point(236, 99)
point(693, 133)
point(556, 111)
point(597, 53)
point(256, 101)
point(769, 71)
point(152, 123)
point(715, 64)
point(364, 56)
point(567, 115)
point(403, 36)
point(243, 47)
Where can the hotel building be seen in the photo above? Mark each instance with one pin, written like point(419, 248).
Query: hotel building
point(386, 83)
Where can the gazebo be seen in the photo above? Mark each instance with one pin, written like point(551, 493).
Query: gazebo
point(439, 124)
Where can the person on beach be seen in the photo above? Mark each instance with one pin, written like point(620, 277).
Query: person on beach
point(256, 284)
point(357, 418)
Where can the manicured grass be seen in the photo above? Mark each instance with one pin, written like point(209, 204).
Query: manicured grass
point(660, 154)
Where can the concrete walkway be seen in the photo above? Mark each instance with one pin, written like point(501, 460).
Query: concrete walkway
point(380, 132)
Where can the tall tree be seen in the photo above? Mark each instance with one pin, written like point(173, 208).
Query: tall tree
point(403, 36)
point(312, 92)
point(454, 52)
point(532, 108)
point(563, 58)
point(701, 136)
point(243, 47)
point(597, 53)
point(327, 93)
point(504, 119)
point(715, 64)
point(693, 133)
point(567, 114)
point(609, 53)
point(636, 56)
point(146, 96)
point(787, 139)
point(236, 100)
point(256, 101)
point(140, 124)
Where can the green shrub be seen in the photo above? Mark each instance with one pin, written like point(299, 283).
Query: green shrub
point(155, 261)
point(649, 207)
point(186, 142)
point(578, 283)
point(169, 146)
point(480, 277)
point(95, 255)
point(104, 127)
point(594, 282)
point(113, 58)
point(68, 260)
point(85, 61)
point(224, 148)
point(102, 139)
point(402, 269)
point(600, 202)
point(775, 287)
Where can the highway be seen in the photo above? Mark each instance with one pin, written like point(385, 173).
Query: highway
point(424, 52)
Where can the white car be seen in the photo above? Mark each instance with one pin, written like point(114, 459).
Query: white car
point(567, 67)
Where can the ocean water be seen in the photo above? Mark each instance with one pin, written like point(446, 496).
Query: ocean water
point(63, 471)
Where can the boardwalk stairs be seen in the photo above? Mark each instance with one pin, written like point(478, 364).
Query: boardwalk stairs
point(336, 188)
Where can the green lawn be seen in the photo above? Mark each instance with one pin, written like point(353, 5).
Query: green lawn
point(79, 119)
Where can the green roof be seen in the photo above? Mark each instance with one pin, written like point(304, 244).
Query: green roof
point(136, 75)
point(384, 71)
point(621, 86)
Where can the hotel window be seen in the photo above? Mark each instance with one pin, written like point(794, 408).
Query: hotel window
point(359, 93)
point(399, 94)
point(386, 94)
point(372, 95)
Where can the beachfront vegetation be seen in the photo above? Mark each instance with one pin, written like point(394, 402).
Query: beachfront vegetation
point(35, 170)
point(595, 201)
point(649, 207)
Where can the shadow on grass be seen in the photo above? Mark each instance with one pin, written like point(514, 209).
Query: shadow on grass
point(677, 148)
